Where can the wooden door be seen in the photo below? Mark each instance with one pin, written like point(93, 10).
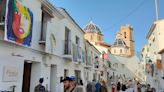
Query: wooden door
point(26, 77)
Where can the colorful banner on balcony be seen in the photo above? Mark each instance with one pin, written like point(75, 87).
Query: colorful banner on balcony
point(19, 23)
point(105, 56)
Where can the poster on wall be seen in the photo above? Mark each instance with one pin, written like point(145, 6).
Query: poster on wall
point(10, 73)
point(19, 23)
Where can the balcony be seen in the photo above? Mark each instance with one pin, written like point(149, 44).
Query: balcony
point(77, 53)
point(88, 61)
point(96, 64)
point(67, 49)
point(106, 64)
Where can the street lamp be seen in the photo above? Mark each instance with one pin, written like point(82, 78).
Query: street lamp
point(156, 9)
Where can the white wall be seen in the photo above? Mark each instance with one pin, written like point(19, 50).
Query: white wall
point(35, 75)
point(160, 33)
point(11, 62)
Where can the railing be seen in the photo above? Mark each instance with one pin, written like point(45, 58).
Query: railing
point(96, 64)
point(67, 47)
point(77, 53)
point(106, 64)
point(88, 61)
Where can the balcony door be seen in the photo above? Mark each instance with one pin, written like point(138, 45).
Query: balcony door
point(67, 42)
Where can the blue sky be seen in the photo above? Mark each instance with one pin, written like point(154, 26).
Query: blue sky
point(109, 15)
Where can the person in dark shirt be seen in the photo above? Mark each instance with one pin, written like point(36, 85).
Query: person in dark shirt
point(98, 86)
point(123, 88)
point(148, 88)
point(40, 87)
point(118, 86)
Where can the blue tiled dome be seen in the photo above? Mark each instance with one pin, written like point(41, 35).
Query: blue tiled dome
point(92, 28)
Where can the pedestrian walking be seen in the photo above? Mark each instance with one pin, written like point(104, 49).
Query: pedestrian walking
point(79, 87)
point(90, 86)
point(123, 88)
point(113, 87)
point(143, 88)
point(138, 87)
point(118, 86)
point(148, 88)
point(103, 87)
point(153, 90)
point(66, 82)
point(130, 89)
point(40, 87)
point(73, 85)
point(98, 86)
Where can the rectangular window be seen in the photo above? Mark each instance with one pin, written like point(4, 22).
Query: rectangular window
point(102, 73)
point(124, 34)
point(2, 13)
point(46, 16)
point(99, 38)
point(77, 40)
point(67, 42)
point(65, 73)
point(121, 51)
point(91, 58)
point(78, 76)
point(153, 39)
point(44, 26)
point(91, 37)
point(114, 51)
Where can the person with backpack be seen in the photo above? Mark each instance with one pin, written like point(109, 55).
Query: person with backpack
point(40, 87)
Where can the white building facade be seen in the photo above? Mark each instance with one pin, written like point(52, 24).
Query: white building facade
point(92, 64)
point(56, 50)
point(151, 56)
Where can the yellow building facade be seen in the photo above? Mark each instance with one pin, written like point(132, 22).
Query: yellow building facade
point(94, 35)
point(124, 43)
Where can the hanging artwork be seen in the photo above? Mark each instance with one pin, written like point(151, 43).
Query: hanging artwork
point(19, 23)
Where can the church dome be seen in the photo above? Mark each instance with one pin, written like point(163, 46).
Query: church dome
point(119, 43)
point(92, 28)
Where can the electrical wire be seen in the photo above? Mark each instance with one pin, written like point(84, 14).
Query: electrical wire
point(128, 15)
